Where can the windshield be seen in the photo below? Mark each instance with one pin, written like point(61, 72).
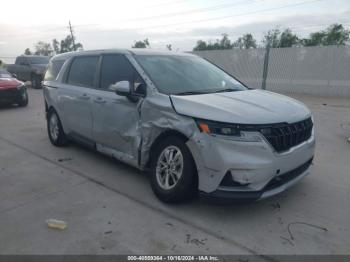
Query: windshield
point(38, 60)
point(185, 75)
point(5, 74)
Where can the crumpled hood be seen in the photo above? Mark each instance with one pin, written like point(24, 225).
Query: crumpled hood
point(243, 107)
point(6, 83)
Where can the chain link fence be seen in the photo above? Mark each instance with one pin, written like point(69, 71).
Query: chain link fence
point(321, 71)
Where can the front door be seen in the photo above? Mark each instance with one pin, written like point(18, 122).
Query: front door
point(116, 118)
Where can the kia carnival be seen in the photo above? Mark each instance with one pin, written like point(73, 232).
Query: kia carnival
point(194, 127)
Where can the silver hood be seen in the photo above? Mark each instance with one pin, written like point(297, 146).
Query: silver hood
point(243, 107)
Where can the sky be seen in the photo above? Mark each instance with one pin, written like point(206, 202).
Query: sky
point(117, 24)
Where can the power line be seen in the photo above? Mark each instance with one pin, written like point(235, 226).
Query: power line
point(233, 16)
point(204, 20)
point(165, 3)
point(192, 11)
point(221, 17)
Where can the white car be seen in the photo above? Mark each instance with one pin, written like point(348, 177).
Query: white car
point(192, 125)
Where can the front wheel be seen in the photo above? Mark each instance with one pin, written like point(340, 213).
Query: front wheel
point(55, 130)
point(24, 99)
point(173, 171)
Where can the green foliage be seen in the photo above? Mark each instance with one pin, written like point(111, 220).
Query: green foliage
point(27, 51)
point(219, 44)
point(42, 48)
point(47, 49)
point(141, 44)
point(335, 34)
point(246, 41)
point(272, 38)
point(68, 46)
point(288, 39)
point(276, 38)
point(56, 46)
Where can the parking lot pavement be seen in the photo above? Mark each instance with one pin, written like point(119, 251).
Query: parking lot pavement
point(110, 208)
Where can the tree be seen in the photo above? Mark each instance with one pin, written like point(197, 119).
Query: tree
point(246, 41)
point(201, 45)
point(141, 44)
point(335, 34)
point(27, 51)
point(219, 44)
point(42, 48)
point(271, 38)
point(68, 46)
point(46, 49)
point(277, 39)
point(288, 39)
point(169, 47)
point(56, 46)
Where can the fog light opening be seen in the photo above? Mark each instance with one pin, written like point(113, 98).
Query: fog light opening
point(229, 181)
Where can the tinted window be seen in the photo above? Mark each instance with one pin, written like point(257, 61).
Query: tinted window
point(53, 69)
point(117, 68)
point(82, 71)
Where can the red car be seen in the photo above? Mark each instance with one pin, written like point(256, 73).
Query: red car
point(12, 91)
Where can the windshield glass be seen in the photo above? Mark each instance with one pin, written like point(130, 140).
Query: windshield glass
point(38, 60)
point(185, 75)
point(5, 74)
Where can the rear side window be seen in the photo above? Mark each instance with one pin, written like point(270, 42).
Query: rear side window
point(83, 71)
point(53, 69)
point(116, 68)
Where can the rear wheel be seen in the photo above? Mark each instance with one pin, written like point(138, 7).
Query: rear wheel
point(55, 130)
point(36, 81)
point(24, 99)
point(173, 172)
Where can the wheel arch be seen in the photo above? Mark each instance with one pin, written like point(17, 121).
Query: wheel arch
point(168, 133)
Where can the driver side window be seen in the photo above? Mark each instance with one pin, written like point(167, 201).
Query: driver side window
point(115, 68)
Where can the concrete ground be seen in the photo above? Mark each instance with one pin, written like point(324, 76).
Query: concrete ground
point(110, 208)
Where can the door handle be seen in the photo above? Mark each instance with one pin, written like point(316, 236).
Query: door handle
point(99, 100)
point(84, 97)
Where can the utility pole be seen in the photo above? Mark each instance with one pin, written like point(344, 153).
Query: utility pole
point(71, 33)
point(266, 67)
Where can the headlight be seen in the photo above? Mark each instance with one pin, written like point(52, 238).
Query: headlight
point(235, 132)
point(210, 127)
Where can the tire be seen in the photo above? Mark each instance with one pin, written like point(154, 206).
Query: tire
point(55, 130)
point(166, 185)
point(36, 81)
point(24, 101)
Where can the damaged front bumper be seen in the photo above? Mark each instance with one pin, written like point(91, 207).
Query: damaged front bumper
point(250, 171)
point(274, 187)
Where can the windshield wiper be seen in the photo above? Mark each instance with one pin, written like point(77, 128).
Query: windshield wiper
point(225, 90)
point(190, 93)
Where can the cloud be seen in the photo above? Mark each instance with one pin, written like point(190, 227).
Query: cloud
point(14, 38)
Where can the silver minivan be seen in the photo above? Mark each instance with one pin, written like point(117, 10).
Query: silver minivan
point(194, 127)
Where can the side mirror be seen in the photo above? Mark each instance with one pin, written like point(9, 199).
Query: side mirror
point(14, 75)
point(122, 88)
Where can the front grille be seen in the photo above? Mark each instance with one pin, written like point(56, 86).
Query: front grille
point(285, 136)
